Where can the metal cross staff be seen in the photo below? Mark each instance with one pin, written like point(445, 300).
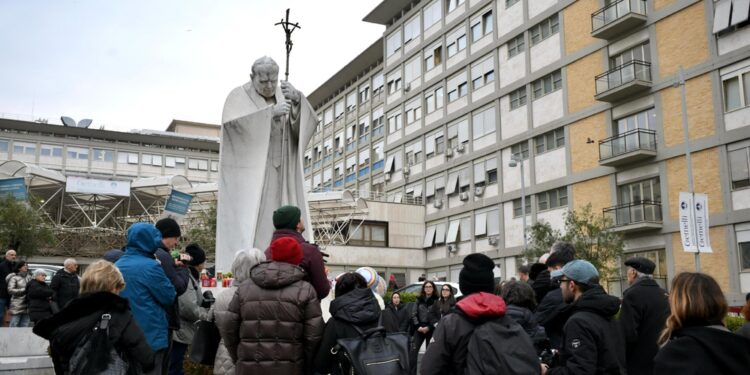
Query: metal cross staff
point(288, 29)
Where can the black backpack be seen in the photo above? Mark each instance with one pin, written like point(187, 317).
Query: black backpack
point(500, 346)
point(95, 353)
point(374, 352)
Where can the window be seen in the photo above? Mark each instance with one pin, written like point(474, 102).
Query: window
point(394, 83)
point(547, 84)
point(78, 153)
point(739, 168)
point(516, 46)
point(544, 30)
point(736, 92)
point(328, 116)
point(395, 123)
point(413, 111)
point(432, 14)
point(364, 93)
point(412, 70)
point(485, 172)
point(393, 44)
point(640, 52)
point(101, 155)
point(637, 192)
point(414, 153)
point(24, 148)
point(520, 149)
point(457, 87)
point(174, 162)
point(47, 150)
point(154, 160)
point(440, 144)
point(518, 98)
point(377, 84)
point(339, 109)
point(744, 250)
point(481, 27)
point(411, 30)
point(453, 4)
point(482, 73)
point(377, 122)
point(483, 123)
point(510, 3)
point(433, 57)
point(129, 158)
point(351, 101)
point(641, 120)
point(3, 145)
point(552, 199)
point(214, 165)
point(369, 234)
point(430, 144)
point(517, 211)
point(456, 41)
point(434, 99)
point(550, 141)
point(458, 133)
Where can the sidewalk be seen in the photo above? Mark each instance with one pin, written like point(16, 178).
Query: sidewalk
point(23, 353)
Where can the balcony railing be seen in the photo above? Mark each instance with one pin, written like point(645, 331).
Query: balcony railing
point(617, 17)
point(623, 80)
point(625, 143)
point(641, 212)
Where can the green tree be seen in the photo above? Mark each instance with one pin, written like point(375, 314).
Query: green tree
point(203, 231)
point(21, 227)
point(590, 235)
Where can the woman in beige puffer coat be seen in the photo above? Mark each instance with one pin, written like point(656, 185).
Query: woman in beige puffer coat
point(243, 262)
point(19, 307)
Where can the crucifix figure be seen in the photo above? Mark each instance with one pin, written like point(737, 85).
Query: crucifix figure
point(265, 129)
point(288, 29)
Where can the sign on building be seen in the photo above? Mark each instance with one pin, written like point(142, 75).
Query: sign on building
point(693, 220)
point(177, 205)
point(14, 186)
point(84, 185)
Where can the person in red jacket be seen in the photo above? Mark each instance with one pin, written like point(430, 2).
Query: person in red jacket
point(288, 223)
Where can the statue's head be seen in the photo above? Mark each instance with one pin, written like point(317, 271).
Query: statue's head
point(265, 76)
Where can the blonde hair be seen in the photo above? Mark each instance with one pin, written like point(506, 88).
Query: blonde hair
point(102, 276)
point(695, 298)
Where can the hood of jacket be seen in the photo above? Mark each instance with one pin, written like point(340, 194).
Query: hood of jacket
point(722, 346)
point(597, 301)
point(522, 316)
point(143, 238)
point(357, 306)
point(482, 305)
point(84, 305)
point(275, 275)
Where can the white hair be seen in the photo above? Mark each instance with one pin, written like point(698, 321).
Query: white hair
point(543, 258)
point(7, 253)
point(40, 272)
point(244, 261)
point(640, 274)
point(69, 261)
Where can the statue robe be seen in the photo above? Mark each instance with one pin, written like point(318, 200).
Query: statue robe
point(260, 169)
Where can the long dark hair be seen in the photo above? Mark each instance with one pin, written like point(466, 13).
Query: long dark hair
point(446, 303)
point(423, 295)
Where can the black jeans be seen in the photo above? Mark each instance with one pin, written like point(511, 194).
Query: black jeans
point(416, 343)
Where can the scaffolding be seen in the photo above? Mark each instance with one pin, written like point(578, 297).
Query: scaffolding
point(335, 216)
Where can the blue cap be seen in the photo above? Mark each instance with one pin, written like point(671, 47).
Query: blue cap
point(556, 274)
point(579, 271)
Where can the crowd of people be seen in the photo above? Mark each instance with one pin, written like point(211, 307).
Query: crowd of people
point(557, 319)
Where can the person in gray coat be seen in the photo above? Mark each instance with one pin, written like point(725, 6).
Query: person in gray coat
point(244, 260)
point(191, 309)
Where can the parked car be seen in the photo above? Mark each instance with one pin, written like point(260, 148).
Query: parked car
point(416, 288)
point(49, 269)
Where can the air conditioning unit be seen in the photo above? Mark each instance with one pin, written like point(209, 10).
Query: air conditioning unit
point(448, 152)
point(464, 196)
point(406, 170)
point(460, 148)
point(479, 191)
point(492, 240)
point(387, 177)
point(437, 203)
point(452, 248)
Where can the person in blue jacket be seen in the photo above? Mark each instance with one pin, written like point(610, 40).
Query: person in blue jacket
point(147, 288)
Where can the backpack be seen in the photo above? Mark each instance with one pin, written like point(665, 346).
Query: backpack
point(500, 346)
point(95, 353)
point(374, 352)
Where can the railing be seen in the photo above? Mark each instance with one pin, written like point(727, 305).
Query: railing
point(376, 196)
point(378, 165)
point(363, 171)
point(625, 73)
point(634, 213)
point(378, 131)
point(632, 140)
point(615, 11)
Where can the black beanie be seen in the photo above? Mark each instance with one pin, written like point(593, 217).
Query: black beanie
point(477, 275)
point(168, 228)
point(196, 253)
point(286, 217)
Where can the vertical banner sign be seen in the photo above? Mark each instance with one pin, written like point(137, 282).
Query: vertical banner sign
point(700, 203)
point(687, 223)
point(178, 204)
point(14, 186)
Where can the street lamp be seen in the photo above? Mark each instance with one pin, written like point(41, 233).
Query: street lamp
point(516, 159)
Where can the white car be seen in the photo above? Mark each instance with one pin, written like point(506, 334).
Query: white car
point(416, 288)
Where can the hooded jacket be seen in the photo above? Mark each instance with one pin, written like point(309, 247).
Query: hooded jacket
point(591, 338)
point(525, 318)
point(65, 285)
point(147, 288)
point(356, 308)
point(644, 311)
point(312, 261)
point(77, 319)
point(274, 323)
point(40, 295)
point(447, 354)
point(704, 350)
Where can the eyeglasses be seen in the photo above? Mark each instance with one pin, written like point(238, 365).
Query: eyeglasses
point(446, 290)
point(562, 280)
point(428, 286)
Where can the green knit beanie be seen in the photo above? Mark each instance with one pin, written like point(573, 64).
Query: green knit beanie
point(286, 217)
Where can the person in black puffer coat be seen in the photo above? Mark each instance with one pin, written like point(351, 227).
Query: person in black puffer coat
point(100, 285)
point(519, 296)
point(396, 315)
point(40, 297)
point(355, 305)
point(423, 321)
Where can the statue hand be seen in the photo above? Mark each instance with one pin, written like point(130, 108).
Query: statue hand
point(281, 109)
point(290, 92)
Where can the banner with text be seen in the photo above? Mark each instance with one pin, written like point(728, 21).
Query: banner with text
point(14, 186)
point(693, 221)
point(177, 205)
point(93, 186)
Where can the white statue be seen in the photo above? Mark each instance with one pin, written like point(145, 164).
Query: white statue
point(265, 129)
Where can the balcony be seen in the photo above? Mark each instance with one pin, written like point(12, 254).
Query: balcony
point(628, 147)
point(618, 18)
point(625, 80)
point(635, 217)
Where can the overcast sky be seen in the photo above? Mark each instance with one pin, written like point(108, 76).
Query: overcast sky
point(138, 64)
